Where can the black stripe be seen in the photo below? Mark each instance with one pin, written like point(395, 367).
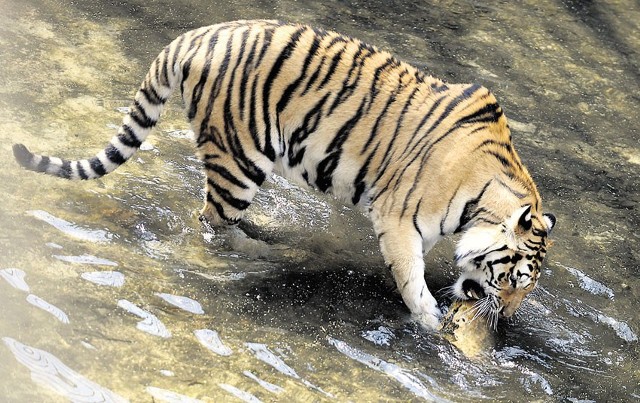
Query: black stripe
point(219, 209)
point(327, 166)
point(245, 77)
point(284, 55)
point(387, 155)
point(359, 184)
point(129, 137)
point(501, 144)
point(176, 54)
point(97, 166)
point(268, 35)
point(389, 64)
point(198, 89)
point(223, 66)
point(253, 125)
point(43, 164)
point(65, 169)
point(487, 114)
point(314, 76)
point(415, 218)
point(470, 209)
point(186, 66)
point(226, 195)
point(225, 173)
point(114, 155)
point(152, 96)
point(211, 135)
point(439, 87)
point(446, 214)
point(81, 172)
point(229, 122)
point(300, 134)
point(165, 70)
point(466, 93)
point(352, 78)
point(381, 115)
point(139, 115)
point(287, 95)
point(335, 61)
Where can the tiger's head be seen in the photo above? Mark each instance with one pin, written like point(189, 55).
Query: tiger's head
point(501, 263)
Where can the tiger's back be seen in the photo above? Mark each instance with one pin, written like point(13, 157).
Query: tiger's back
point(425, 157)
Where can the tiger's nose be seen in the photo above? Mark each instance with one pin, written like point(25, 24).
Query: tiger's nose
point(507, 311)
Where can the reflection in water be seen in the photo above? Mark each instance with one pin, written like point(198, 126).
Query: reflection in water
point(181, 302)
point(149, 323)
point(45, 306)
point(71, 229)
point(211, 340)
point(107, 278)
point(15, 277)
point(169, 396)
point(50, 372)
point(86, 259)
point(406, 379)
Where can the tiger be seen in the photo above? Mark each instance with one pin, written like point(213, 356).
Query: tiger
point(422, 157)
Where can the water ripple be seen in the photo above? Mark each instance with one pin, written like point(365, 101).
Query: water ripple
point(49, 371)
point(240, 394)
point(181, 302)
point(406, 379)
point(72, 229)
point(149, 323)
point(107, 278)
point(86, 259)
point(45, 306)
point(211, 340)
point(168, 396)
point(622, 329)
point(267, 385)
point(265, 355)
point(589, 284)
point(380, 337)
point(15, 278)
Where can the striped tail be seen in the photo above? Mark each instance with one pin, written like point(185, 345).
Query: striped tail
point(136, 126)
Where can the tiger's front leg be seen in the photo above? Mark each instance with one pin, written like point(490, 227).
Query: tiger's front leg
point(402, 248)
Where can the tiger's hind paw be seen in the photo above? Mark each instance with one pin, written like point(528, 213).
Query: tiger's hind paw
point(211, 216)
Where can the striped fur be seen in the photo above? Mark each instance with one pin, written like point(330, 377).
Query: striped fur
point(425, 157)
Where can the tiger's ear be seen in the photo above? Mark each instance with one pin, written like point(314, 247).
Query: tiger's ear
point(520, 220)
point(550, 220)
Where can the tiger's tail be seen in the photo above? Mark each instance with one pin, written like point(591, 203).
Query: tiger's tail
point(148, 103)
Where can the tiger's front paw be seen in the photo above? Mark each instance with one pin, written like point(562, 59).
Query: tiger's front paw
point(427, 320)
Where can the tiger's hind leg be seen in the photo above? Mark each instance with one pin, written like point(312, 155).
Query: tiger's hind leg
point(231, 183)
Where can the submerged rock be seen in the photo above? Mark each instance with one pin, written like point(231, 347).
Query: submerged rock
point(465, 329)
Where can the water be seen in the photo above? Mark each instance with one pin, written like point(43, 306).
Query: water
point(112, 290)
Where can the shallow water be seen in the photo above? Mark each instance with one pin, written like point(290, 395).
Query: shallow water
point(112, 290)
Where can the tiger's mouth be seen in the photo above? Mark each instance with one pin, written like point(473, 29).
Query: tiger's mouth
point(472, 289)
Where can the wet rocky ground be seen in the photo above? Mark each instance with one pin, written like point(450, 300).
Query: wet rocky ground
point(113, 289)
